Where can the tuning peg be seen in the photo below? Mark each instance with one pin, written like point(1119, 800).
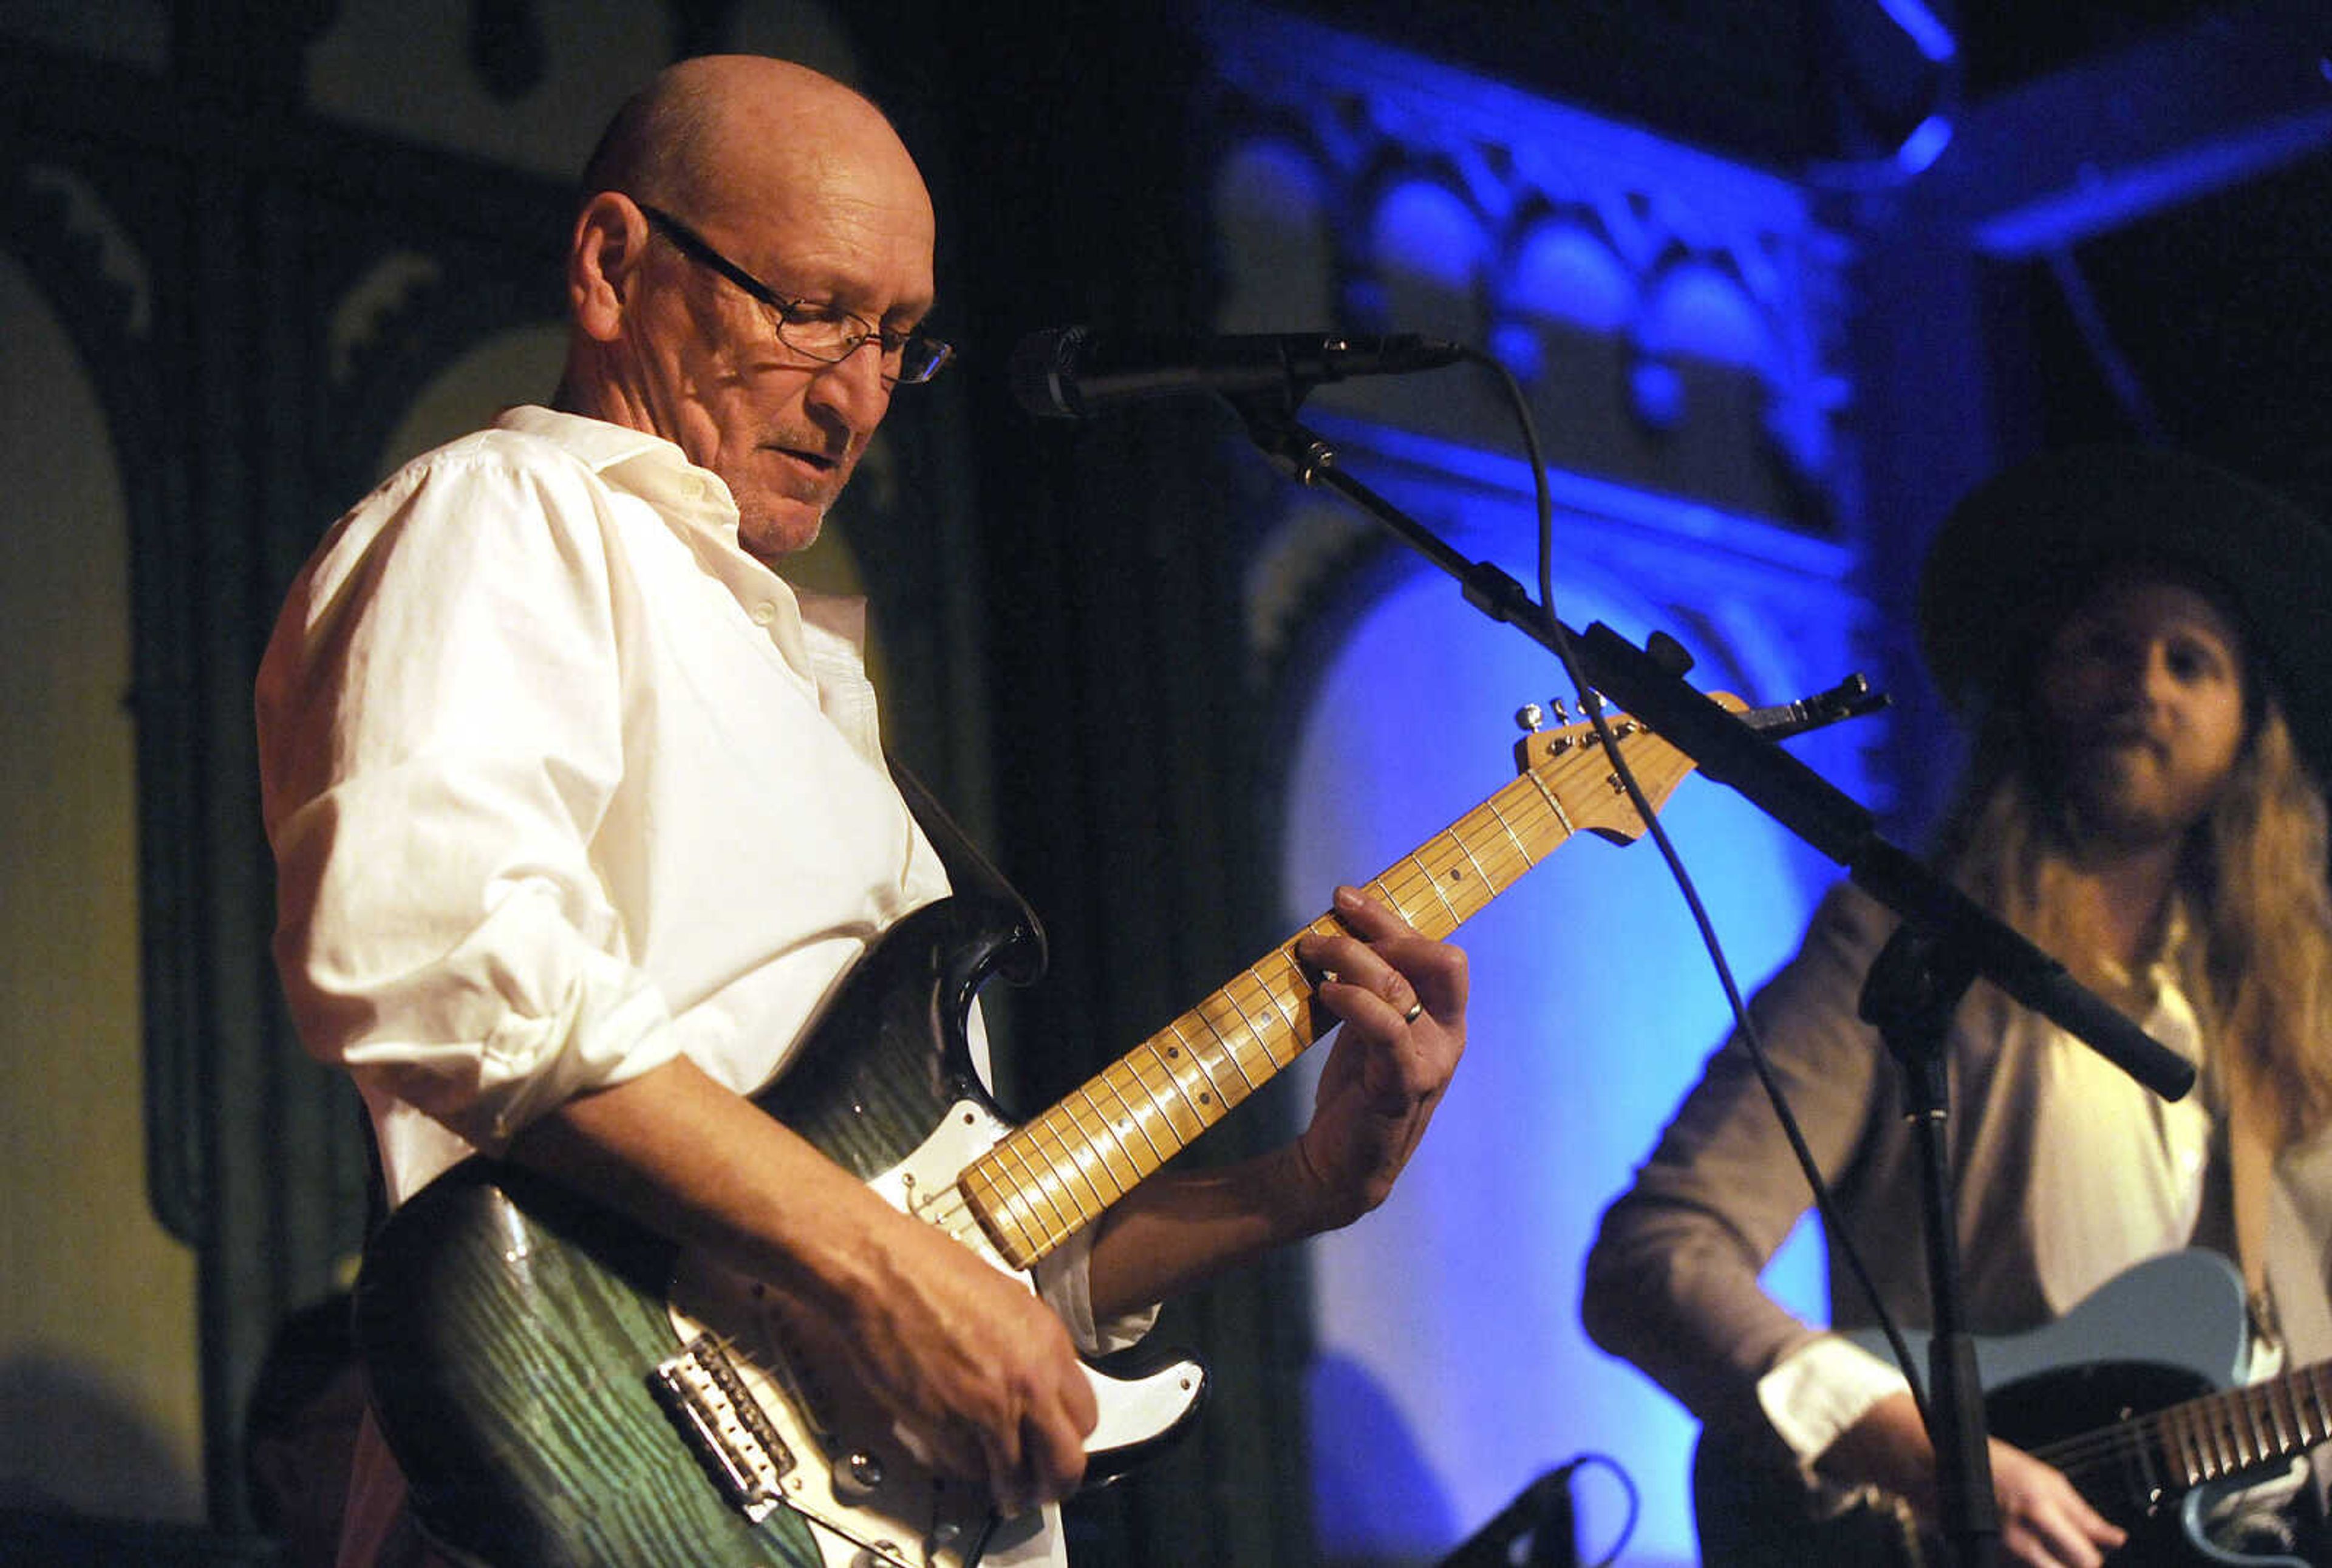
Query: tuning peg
point(1529, 717)
point(1561, 713)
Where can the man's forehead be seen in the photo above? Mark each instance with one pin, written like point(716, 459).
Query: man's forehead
point(2169, 591)
point(838, 220)
point(2161, 599)
point(832, 170)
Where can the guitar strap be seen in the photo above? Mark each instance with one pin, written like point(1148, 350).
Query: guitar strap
point(969, 870)
point(2251, 1168)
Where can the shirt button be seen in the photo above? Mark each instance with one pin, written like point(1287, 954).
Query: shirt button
point(764, 613)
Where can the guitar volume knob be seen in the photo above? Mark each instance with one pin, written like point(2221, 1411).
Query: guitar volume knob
point(858, 1476)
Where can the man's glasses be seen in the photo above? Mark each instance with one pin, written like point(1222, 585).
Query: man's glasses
point(823, 332)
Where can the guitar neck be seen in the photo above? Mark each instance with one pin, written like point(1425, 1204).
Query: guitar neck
point(2208, 1438)
point(1061, 1171)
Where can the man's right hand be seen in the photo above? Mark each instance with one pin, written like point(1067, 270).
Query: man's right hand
point(975, 1370)
point(2044, 1523)
point(979, 1372)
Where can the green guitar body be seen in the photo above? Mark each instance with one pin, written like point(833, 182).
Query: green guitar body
point(511, 1330)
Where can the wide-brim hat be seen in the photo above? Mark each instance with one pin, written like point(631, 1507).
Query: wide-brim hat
point(2023, 547)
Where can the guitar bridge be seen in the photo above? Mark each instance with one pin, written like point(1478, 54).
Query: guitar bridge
point(718, 1419)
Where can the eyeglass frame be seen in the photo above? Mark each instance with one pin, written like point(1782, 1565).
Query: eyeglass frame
point(698, 249)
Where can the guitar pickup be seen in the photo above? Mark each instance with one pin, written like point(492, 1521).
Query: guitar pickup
point(718, 1419)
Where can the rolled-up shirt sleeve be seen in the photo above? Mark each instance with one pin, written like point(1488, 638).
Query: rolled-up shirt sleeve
point(1672, 1281)
point(440, 720)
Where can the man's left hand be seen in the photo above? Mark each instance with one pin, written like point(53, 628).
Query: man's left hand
point(1402, 997)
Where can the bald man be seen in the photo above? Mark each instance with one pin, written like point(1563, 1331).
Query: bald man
point(580, 814)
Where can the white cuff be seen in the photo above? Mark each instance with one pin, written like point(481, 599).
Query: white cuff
point(1814, 1393)
point(1065, 1279)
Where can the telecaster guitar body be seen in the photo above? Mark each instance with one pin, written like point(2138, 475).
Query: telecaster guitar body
point(2118, 1394)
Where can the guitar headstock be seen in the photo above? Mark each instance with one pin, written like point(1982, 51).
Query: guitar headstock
point(1571, 763)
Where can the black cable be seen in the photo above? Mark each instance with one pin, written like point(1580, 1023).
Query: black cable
point(1626, 1487)
point(1591, 705)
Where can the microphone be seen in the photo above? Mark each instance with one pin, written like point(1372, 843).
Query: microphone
point(1074, 373)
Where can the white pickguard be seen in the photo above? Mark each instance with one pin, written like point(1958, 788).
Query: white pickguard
point(873, 1500)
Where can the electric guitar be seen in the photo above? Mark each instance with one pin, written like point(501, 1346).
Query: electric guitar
point(2115, 1394)
point(562, 1387)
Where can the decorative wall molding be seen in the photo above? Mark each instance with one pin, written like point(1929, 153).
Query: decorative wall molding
point(1539, 226)
point(1675, 320)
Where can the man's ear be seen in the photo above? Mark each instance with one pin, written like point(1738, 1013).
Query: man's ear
point(602, 263)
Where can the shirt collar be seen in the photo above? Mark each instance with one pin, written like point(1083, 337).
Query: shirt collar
point(696, 502)
point(600, 444)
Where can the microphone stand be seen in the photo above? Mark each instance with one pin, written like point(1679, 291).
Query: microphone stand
point(1953, 939)
point(1914, 986)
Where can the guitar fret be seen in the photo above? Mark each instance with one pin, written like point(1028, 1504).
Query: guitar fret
point(1382, 889)
point(2285, 1442)
point(1433, 886)
point(2144, 1456)
point(1254, 1031)
point(1115, 1127)
point(1028, 1193)
point(1055, 1163)
point(2210, 1462)
point(1096, 1143)
point(2224, 1456)
point(2177, 1425)
point(1054, 1170)
point(1058, 1176)
point(1512, 837)
point(1166, 1056)
point(1226, 1050)
point(2207, 1462)
point(1489, 889)
point(1001, 1203)
point(1553, 804)
point(1278, 993)
point(1133, 1116)
point(1213, 1086)
point(1148, 1067)
point(2221, 1442)
point(1041, 1150)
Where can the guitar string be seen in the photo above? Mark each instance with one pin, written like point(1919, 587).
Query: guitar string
point(953, 1211)
point(1401, 887)
point(2200, 1437)
point(2201, 1446)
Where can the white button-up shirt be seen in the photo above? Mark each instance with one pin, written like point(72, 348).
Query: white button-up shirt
point(562, 783)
